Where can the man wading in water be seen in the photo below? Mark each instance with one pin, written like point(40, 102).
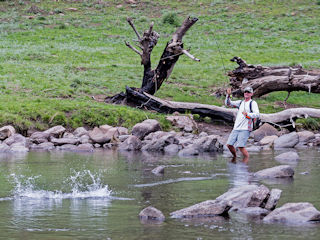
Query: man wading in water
point(248, 110)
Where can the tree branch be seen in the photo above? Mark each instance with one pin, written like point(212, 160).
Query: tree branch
point(129, 20)
point(133, 48)
point(190, 55)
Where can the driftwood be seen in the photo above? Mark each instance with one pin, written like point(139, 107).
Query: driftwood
point(227, 115)
point(154, 78)
point(264, 80)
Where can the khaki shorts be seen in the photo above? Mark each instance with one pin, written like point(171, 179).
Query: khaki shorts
point(238, 136)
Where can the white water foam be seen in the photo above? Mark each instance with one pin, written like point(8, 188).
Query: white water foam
point(83, 184)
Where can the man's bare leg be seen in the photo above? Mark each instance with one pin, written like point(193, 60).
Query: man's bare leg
point(245, 154)
point(233, 151)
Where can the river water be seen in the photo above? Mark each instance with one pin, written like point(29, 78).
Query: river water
point(63, 195)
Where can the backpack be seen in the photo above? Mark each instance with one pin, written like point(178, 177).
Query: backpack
point(256, 121)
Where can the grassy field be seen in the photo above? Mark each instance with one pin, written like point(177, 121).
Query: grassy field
point(55, 58)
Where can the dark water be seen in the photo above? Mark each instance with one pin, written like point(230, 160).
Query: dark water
point(64, 195)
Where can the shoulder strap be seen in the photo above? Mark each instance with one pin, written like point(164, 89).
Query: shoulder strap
point(240, 104)
point(251, 106)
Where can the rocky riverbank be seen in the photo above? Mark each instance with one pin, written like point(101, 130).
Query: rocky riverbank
point(148, 136)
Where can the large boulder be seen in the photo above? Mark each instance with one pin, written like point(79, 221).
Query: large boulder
point(208, 144)
point(287, 140)
point(265, 130)
point(157, 145)
point(80, 131)
point(46, 146)
point(273, 199)
point(4, 148)
point(305, 136)
point(99, 136)
point(268, 140)
point(62, 141)
point(294, 213)
point(282, 171)
point(16, 138)
point(207, 208)
point(245, 196)
point(132, 143)
point(39, 137)
point(142, 129)
point(288, 157)
point(6, 132)
point(151, 213)
point(185, 123)
point(56, 131)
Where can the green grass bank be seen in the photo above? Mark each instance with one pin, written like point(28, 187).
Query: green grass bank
point(58, 54)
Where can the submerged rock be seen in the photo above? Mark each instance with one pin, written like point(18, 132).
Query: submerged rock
point(287, 157)
point(282, 171)
point(158, 170)
point(294, 213)
point(151, 213)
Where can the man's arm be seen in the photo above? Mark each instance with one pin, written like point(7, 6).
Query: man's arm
point(229, 103)
point(255, 111)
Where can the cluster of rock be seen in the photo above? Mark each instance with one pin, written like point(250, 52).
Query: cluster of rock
point(267, 137)
point(252, 201)
point(145, 136)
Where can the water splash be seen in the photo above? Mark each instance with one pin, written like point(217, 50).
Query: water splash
point(80, 185)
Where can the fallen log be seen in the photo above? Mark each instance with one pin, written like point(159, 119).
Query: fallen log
point(264, 80)
point(146, 101)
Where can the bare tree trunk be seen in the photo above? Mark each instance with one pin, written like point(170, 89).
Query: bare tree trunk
point(264, 80)
point(153, 79)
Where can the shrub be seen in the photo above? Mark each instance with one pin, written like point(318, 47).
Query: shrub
point(309, 123)
point(171, 18)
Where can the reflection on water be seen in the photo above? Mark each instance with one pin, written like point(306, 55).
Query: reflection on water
point(99, 196)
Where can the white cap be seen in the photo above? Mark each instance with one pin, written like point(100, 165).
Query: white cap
point(248, 89)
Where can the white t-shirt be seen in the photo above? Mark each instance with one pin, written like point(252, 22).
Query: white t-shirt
point(241, 122)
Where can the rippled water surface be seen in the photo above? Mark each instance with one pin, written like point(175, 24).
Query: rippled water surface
point(63, 195)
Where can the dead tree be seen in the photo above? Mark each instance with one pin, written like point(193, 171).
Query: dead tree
point(264, 80)
point(154, 78)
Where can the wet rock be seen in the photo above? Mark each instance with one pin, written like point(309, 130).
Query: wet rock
point(46, 146)
point(86, 147)
point(265, 130)
point(80, 131)
point(141, 130)
point(273, 199)
point(56, 131)
point(172, 149)
point(110, 145)
point(185, 123)
point(151, 213)
point(39, 137)
point(282, 171)
point(18, 148)
point(287, 140)
point(288, 157)
point(305, 136)
point(294, 213)
point(207, 208)
point(62, 141)
point(85, 139)
point(249, 213)
point(245, 196)
point(67, 147)
point(158, 170)
point(99, 136)
point(122, 138)
point(132, 143)
point(268, 140)
point(188, 151)
point(16, 138)
point(123, 131)
point(96, 145)
point(157, 145)
point(4, 148)
point(208, 144)
point(6, 131)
